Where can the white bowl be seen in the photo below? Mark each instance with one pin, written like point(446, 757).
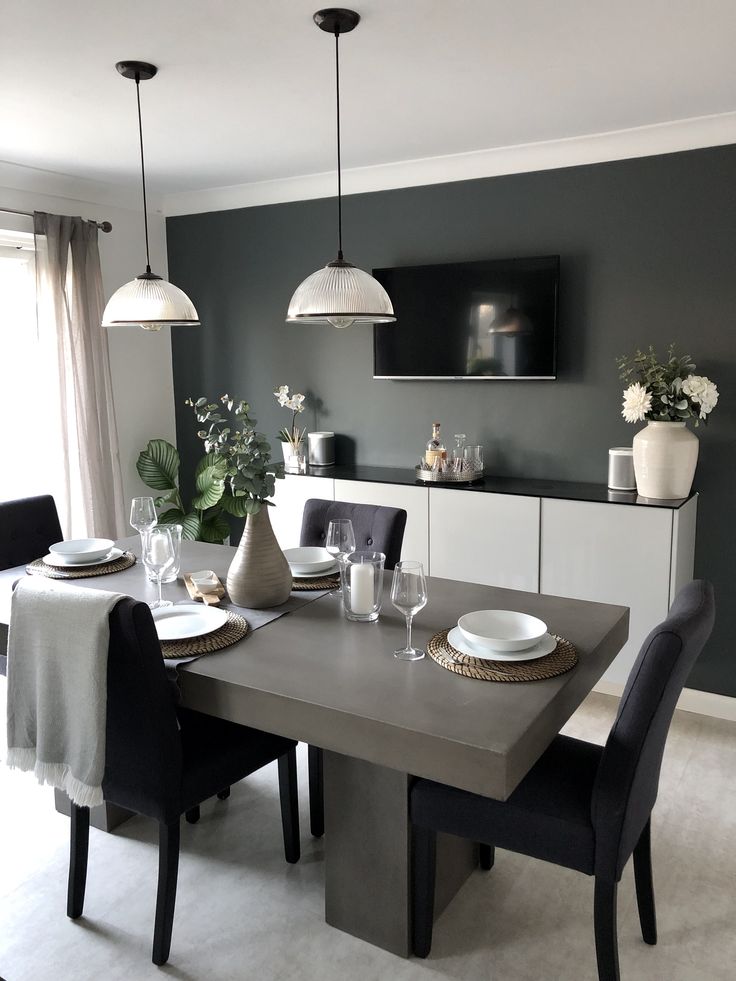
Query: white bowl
point(309, 559)
point(80, 551)
point(502, 630)
point(205, 580)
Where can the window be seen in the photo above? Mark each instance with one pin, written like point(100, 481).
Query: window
point(23, 466)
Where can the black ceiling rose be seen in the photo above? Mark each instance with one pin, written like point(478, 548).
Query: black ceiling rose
point(336, 20)
point(136, 70)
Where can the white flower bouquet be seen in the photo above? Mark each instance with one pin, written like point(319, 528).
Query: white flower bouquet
point(665, 391)
point(294, 436)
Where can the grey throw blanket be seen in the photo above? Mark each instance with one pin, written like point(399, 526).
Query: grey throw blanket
point(57, 685)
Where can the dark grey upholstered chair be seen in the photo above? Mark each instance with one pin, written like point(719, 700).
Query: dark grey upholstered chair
point(162, 761)
point(582, 806)
point(377, 528)
point(27, 527)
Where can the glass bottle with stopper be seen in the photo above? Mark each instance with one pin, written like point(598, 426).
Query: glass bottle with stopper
point(435, 452)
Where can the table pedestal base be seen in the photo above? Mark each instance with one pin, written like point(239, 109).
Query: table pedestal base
point(368, 854)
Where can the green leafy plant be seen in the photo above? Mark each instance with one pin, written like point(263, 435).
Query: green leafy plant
point(159, 467)
point(665, 390)
point(250, 476)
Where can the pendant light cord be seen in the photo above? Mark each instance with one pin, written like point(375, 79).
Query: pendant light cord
point(339, 175)
point(143, 168)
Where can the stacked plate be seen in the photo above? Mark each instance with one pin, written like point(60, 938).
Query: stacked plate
point(183, 621)
point(311, 562)
point(79, 552)
point(501, 635)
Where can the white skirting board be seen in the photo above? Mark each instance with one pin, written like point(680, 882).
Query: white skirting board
point(691, 700)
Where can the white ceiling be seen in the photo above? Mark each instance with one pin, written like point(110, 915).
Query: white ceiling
point(245, 89)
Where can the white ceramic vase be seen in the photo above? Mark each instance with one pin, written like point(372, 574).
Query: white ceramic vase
point(665, 457)
point(259, 575)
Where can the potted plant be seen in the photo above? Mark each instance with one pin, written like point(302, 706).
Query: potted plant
point(292, 439)
point(259, 575)
point(159, 467)
point(666, 394)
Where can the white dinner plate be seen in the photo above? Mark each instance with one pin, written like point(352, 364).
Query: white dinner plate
point(316, 575)
point(184, 620)
point(545, 646)
point(58, 563)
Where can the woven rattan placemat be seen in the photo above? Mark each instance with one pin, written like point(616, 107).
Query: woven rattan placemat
point(326, 582)
point(562, 658)
point(39, 568)
point(229, 633)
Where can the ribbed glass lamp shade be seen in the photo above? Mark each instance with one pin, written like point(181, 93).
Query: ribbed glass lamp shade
point(340, 294)
point(151, 303)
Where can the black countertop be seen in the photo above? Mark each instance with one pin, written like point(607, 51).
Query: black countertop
point(565, 490)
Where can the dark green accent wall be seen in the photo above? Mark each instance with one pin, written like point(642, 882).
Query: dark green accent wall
point(648, 255)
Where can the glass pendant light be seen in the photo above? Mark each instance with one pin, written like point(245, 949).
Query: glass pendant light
point(148, 301)
point(339, 294)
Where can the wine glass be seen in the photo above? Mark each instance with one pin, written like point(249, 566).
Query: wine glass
point(159, 556)
point(143, 516)
point(409, 596)
point(340, 538)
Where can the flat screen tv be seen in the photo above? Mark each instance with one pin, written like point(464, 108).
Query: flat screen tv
point(494, 319)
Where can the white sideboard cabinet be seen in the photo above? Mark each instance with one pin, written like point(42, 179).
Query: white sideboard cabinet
point(615, 553)
point(492, 539)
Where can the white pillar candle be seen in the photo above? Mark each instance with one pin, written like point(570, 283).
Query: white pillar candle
point(361, 588)
point(159, 550)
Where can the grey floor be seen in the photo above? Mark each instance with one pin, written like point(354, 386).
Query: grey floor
point(243, 913)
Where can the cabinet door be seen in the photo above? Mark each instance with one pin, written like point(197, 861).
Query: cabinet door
point(412, 499)
point(492, 539)
point(609, 553)
point(291, 494)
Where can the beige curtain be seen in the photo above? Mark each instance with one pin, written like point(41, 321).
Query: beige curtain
point(81, 443)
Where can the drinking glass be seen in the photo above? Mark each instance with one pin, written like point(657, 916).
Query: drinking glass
point(143, 517)
point(409, 596)
point(159, 556)
point(142, 514)
point(340, 538)
point(474, 458)
point(173, 574)
point(459, 447)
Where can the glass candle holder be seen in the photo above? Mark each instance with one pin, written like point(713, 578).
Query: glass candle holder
point(361, 579)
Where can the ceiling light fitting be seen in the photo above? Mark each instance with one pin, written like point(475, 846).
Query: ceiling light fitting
point(148, 301)
point(339, 294)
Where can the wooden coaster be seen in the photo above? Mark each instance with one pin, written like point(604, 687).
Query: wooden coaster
point(326, 582)
point(39, 568)
point(229, 633)
point(562, 659)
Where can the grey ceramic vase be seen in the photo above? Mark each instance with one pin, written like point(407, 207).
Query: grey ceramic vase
point(259, 576)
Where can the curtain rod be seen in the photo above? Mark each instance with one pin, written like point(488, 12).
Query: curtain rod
point(104, 226)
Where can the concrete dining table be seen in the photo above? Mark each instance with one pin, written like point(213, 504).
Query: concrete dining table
point(314, 676)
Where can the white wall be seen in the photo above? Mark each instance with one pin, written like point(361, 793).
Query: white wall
point(140, 360)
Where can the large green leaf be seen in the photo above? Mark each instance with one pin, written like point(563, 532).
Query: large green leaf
point(190, 523)
point(210, 484)
point(237, 506)
point(158, 465)
point(211, 460)
point(214, 528)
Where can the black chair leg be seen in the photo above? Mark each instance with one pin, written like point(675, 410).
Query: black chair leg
point(423, 859)
point(606, 933)
point(223, 794)
point(486, 856)
point(645, 885)
point(289, 795)
point(168, 870)
point(78, 851)
point(316, 792)
point(192, 815)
